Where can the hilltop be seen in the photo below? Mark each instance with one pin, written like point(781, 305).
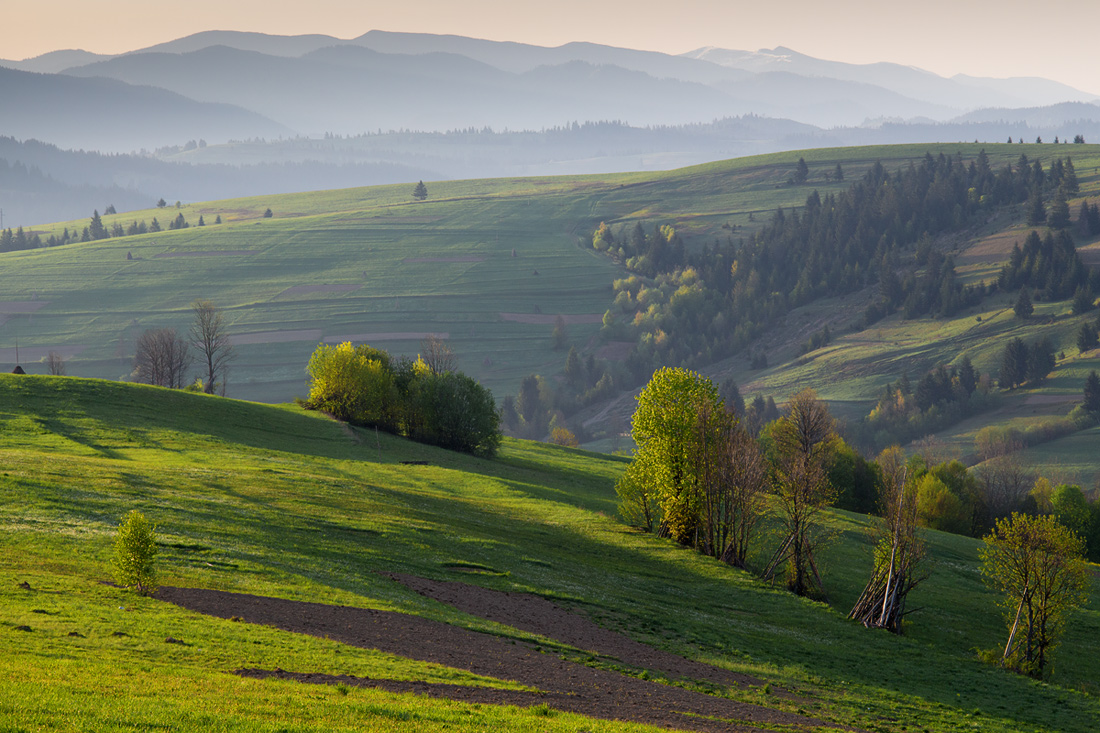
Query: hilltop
point(275, 502)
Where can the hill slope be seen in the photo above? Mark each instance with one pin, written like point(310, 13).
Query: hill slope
point(275, 502)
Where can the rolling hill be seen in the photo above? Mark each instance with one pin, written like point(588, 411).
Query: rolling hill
point(277, 503)
point(491, 264)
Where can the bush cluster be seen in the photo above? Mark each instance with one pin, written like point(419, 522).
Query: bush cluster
point(366, 386)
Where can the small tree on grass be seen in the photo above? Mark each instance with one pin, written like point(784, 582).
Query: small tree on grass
point(803, 453)
point(135, 550)
point(210, 337)
point(420, 192)
point(1036, 563)
point(898, 549)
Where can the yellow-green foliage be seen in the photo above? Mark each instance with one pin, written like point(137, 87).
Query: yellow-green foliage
point(135, 550)
point(665, 431)
point(353, 383)
point(938, 508)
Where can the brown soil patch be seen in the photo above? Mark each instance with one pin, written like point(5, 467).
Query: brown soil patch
point(275, 337)
point(390, 336)
point(208, 253)
point(563, 685)
point(19, 307)
point(548, 320)
point(306, 289)
point(539, 616)
point(456, 258)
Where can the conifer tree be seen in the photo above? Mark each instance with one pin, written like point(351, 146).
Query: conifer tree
point(420, 192)
point(1023, 308)
point(1092, 392)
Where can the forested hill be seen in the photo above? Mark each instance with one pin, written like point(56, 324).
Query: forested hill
point(880, 230)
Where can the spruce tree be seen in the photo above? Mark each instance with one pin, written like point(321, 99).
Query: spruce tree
point(1092, 392)
point(420, 192)
point(1023, 308)
point(1086, 338)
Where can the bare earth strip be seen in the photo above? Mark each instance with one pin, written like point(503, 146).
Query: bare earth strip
point(549, 320)
point(208, 253)
point(394, 336)
point(275, 337)
point(457, 258)
point(19, 307)
point(305, 289)
point(567, 686)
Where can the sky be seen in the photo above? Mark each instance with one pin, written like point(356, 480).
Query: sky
point(976, 37)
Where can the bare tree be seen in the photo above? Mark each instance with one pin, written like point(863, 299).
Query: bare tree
point(733, 477)
point(438, 355)
point(211, 339)
point(1005, 483)
point(55, 364)
point(162, 358)
point(803, 441)
point(898, 549)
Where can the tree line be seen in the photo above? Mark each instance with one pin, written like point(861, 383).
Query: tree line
point(700, 478)
point(690, 308)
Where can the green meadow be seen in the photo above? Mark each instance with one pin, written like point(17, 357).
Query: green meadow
point(488, 263)
point(276, 501)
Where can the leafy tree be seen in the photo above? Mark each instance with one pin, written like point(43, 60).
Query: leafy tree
point(564, 436)
point(1023, 308)
point(898, 549)
point(210, 337)
point(135, 553)
point(420, 192)
point(453, 411)
point(1071, 509)
point(1091, 401)
point(665, 430)
point(803, 441)
point(1036, 564)
point(559, 338)
point(355, 384)
point(1086, 338)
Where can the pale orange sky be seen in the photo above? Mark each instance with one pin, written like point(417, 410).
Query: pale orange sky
point(1052, 39)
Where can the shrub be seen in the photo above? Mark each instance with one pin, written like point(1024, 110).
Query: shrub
point(135, 550)
point(354, 384)
point(453, 411)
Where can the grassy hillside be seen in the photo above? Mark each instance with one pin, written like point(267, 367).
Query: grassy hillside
point(275, 501)
point(489, 264)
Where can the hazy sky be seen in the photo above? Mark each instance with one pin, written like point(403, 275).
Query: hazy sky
point(1003, 38)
